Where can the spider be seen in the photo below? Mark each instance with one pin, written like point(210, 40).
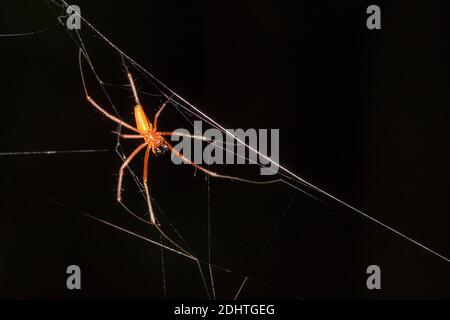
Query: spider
point(154, 141)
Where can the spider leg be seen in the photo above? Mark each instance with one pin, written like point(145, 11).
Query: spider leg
point(131, 81)
point(150, 207)
point(97, 106)
point(212, 173)
point(147, 192)
point(155, 122)
point(129, 136)
point(122, 168)
point(180, 134)
point(132, 136)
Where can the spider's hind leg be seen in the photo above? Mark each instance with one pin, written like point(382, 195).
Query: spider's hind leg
point(147, 192)
point(122, 168)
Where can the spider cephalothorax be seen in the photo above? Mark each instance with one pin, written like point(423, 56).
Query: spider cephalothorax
point(149, 132)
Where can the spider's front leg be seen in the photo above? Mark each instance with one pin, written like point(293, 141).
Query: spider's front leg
point(96, 105)
point(155, 121)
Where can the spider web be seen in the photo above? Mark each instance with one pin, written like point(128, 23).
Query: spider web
point(209, 288)
point(158, 92)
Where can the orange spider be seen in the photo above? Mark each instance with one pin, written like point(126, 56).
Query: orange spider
point(153, 139)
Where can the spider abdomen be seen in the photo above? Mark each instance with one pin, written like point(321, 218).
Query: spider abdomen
point(142, 122)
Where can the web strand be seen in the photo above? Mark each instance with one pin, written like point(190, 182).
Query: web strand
point(264, 247)
point(291, 178)
point(51, 152)
point(213, 289)
point(297, 178)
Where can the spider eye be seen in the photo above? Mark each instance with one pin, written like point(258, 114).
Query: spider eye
point(160, 150)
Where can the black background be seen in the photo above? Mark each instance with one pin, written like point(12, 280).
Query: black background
point(363, 114)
